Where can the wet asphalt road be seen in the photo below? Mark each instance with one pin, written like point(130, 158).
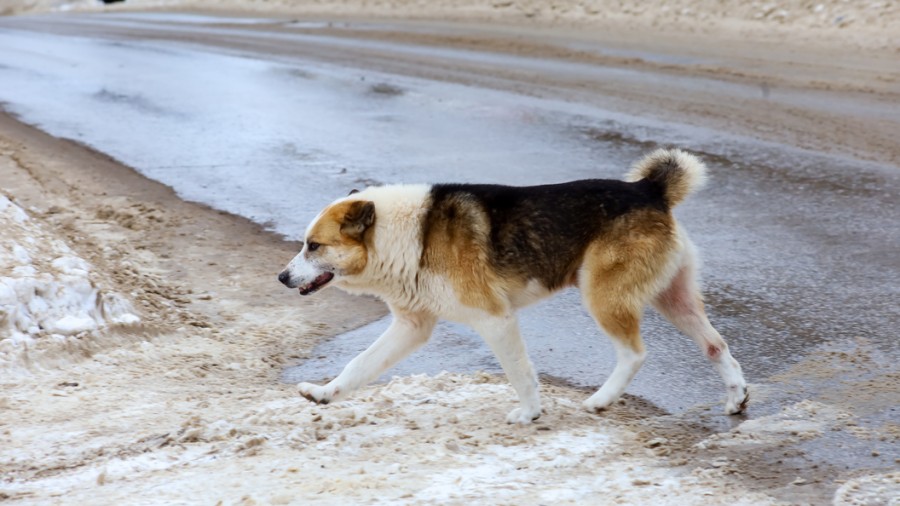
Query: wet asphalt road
point(800, 248)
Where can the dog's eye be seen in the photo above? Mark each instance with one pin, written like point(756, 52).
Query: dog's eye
point(312, 246)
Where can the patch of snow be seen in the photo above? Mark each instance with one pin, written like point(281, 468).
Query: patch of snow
point(17, 213)
point(21, 254)
point(804, 420)
point(71, 324)
point(46, 291)
point(876, 489)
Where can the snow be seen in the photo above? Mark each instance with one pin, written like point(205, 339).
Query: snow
point(17, 214)
point(872, 490)
point(47, 293)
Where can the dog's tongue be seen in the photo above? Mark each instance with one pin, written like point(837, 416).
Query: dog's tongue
point(323, 278)
point(316, 283)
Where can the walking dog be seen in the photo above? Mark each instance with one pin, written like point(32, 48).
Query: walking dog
point(475, 254)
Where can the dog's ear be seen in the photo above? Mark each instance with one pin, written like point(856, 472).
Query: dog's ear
point(359, 217)
point(352, 192)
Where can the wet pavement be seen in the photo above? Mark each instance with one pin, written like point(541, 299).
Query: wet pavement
point(800, 248)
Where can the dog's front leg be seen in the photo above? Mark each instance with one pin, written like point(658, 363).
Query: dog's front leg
point(407, 332)
point(502, 335)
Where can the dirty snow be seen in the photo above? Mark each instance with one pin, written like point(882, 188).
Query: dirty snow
point(47, 292)
point(417, 440)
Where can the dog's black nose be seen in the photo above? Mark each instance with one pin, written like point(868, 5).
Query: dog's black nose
point(284, 277)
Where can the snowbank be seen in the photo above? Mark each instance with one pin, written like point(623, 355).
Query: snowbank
point(47, 292)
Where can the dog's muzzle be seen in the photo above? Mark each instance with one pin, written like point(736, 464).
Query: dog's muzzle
point(307, 288)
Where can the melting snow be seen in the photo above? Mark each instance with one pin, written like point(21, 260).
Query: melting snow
point(46, 291)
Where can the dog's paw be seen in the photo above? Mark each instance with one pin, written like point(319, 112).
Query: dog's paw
point(522, 416)
point(591, 408)
point(738, 398)
point(314, 393)
point(597, 403)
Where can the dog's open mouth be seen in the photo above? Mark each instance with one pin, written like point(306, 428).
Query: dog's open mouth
point(317, 283)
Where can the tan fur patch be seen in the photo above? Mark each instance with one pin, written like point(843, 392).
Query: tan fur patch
point(624, 268)
point(345, 252)
point(456, 247)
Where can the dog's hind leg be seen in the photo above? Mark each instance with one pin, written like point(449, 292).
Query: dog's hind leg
point(502, 335)
point(682, 304)
point(622, 324)
point(406, 334)
point(616, 281)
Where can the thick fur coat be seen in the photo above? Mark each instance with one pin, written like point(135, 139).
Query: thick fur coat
point(476, 253)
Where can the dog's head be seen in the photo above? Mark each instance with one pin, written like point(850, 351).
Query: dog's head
point(335, 246)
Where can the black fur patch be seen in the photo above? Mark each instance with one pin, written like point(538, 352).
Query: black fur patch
point(538, 232)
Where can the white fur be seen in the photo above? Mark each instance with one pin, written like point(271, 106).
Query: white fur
point(628, 362)
point(303, 270)
point(406, 334)
point(533, 292)
point(502, 336)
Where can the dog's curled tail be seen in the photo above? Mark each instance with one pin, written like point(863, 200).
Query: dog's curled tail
point(675, 172)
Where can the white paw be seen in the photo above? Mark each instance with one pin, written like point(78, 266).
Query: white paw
point(598, 402)
point(738, 397)
point(314, 393)
point(522, 416)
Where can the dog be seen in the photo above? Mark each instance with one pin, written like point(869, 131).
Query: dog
point(475, 253)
